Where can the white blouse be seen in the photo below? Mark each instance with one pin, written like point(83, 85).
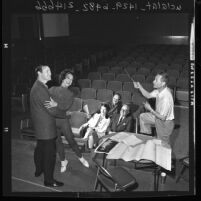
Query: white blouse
point(101, 125)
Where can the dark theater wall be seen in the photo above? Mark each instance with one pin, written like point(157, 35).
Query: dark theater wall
point(99, 29)
point(129, 28)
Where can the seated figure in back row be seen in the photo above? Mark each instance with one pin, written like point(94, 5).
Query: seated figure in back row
point(115, 105)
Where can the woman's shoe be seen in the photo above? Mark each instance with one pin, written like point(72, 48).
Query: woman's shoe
point(63, 165)
point(84, 162)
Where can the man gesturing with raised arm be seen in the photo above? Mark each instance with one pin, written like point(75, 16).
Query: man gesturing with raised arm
point(163, 116)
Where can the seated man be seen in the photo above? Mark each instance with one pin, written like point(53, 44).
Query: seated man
point(121, 122)
point(163, 116)
point(115, 105)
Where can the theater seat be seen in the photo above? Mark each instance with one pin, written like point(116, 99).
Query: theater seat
point(26, 128)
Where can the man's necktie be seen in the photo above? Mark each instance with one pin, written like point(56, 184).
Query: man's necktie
point(120, 120)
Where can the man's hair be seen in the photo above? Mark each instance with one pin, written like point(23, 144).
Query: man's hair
point(63, 74)
point(39, 68)
point(129, 109)
point(164, 77)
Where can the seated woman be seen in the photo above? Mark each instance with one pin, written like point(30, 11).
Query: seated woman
point(121, 122)
point(62, 98)
point(96, 126)
point(115, 105)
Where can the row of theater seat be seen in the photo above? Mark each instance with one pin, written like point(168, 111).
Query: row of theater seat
point(127, 84)
point(138, 66)
point(105, 95)
point(117, 72)
point(179, 96)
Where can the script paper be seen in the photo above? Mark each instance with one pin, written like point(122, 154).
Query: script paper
point(152, 150)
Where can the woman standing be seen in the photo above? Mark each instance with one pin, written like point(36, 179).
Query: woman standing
point(62, 98)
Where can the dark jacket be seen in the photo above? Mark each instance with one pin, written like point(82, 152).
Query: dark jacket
point(44, 122)
point(114, 109)
point(125, 125)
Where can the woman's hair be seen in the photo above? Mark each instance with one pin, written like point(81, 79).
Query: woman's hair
point(118, 95)
point(106, 105)
point(63, 74)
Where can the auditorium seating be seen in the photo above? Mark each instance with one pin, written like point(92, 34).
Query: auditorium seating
point(149, 65)
point(173, 72)
point(94, 75)
point(157, 70)
point(104, 95)
point(138, 77)
point(163, 66)
point(76, 91)
point(88, 93)
point(184, 74)
point(128, 86)
point(130, 70)
point(26, 128)
point(84, 83)
point(122, 77)
point(150, 78)
point(77, 105)
point(114, 85)
point(182, 83)
point(137, 98)
point(103, 69)
point(116, 69)
point(182, 97)
point(98, 84)
point(175, 66)
point(123, 64)
point(93, 105)
point(144, 71)
point(76, 120)
point(126, 96)
point(147, 86)
point(108, 76)
point(25, 103)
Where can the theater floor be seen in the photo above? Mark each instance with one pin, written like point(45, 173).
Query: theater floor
point(77, 178)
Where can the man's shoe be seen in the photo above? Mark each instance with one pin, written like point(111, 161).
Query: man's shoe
point(54, 184)
point(38, 174)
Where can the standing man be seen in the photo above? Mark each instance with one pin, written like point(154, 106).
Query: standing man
point(163, 116)
point(45, 127)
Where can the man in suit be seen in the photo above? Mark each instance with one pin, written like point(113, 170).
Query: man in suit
point(121, 122)
point(44, 123)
